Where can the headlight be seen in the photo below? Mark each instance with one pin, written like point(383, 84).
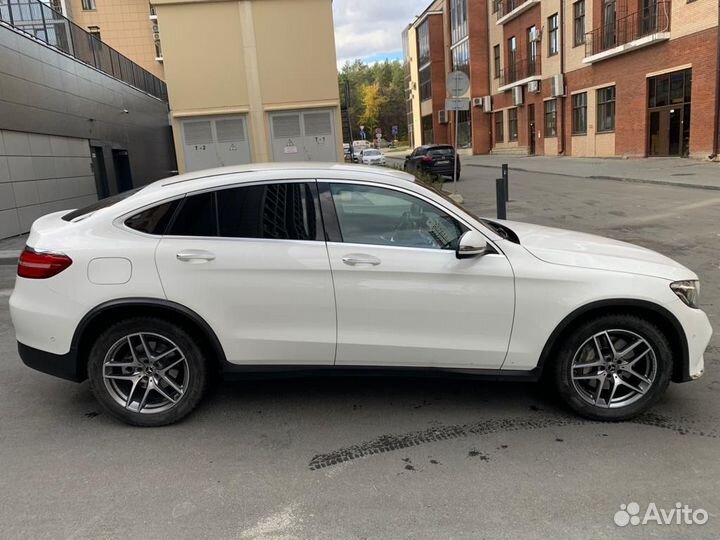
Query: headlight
point(688, 291)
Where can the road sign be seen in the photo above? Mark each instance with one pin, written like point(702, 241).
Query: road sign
point(458, 83)
point(457, 104)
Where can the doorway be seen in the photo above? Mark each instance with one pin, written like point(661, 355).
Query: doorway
point(669, 113)
point(123, 174)
point(531, 129)
point(98, 165)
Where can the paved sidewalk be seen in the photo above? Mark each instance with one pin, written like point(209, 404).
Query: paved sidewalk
point(672, 171)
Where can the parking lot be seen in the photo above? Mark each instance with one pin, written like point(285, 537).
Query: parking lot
point(380, 457)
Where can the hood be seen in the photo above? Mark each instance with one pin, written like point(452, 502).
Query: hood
point(570, 248)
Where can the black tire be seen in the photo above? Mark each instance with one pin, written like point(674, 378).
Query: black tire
point(572, 392)
point(194, 370)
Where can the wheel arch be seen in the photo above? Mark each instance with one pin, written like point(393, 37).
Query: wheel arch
point(665, 320)
point(106, 313)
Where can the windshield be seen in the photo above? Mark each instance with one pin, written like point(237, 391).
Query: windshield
point(441, 151)
point(371, 153)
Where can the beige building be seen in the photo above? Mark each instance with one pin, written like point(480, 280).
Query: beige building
point(128, 26)
point(251, 81)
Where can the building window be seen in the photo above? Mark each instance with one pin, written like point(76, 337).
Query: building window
point(94, 31)
point(458, 20)
point(513, 125)
point(496, 65)
point(512, 58)
point(425, 83)
point(532, 50)
point(551, 118)
point(423, 38)
point(461, 57)
point(427, 129)
point(579, 23)
point(499, 127)
point(579, 114)
point(554, 35)
point(464, 127)
point(88, 5)
point(158, 49)
point(606, 109)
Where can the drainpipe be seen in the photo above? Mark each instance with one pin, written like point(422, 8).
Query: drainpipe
point(561, 149)
point(716, 135)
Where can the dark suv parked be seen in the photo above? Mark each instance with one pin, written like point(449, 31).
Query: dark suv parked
point(434, 159)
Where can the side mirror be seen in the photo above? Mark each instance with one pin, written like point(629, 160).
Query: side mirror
point(472, 244)
point(407, 157)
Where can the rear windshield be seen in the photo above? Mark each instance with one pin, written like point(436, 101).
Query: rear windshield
point(98, 205)
point(444, 151)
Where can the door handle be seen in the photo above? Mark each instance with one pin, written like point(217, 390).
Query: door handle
point(195, 256)
point(357, 259)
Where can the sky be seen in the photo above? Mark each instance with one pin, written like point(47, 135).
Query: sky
point(371, 29)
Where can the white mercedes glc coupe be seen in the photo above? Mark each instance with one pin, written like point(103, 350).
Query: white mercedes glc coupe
point(341, 267)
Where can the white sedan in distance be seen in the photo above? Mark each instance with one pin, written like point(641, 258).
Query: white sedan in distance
point(341, 267)
point(372, 157)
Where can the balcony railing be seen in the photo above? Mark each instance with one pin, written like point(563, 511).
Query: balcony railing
point(42, 22)
point(504, 7)
point(518, 70)
point(651, 20)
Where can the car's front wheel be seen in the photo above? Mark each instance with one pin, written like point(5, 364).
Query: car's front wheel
point(613, 367)
point(147, 371)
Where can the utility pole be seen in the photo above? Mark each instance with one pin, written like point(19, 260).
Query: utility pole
point(349, 121)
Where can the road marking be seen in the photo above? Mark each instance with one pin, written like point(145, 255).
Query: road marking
point(677, 211)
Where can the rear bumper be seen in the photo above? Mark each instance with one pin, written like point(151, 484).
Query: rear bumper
point(65, 366)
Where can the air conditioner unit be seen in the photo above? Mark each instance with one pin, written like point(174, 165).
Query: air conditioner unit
point(557, 86)
point(534, 87)
point(487, 104)
point(443, 117)
point(477, 101)
point(535, 35)
point(517, 95)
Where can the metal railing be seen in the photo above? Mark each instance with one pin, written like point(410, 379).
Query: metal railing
point(504, 7)
point(648, 21)
point(42, 22)
point(519, 70)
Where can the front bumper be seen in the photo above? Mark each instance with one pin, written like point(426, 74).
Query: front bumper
point(66, 366)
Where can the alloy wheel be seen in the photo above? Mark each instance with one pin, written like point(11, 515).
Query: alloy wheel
point(145, 373)
point(613, 368)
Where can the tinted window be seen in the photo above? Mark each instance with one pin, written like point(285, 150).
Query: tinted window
point(370, 215)
point(196, 216)
point(276, 211)
point(102, 203)
point(443, 151)
point(153, 220)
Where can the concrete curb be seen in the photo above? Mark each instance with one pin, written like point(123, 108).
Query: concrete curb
point(600, 177)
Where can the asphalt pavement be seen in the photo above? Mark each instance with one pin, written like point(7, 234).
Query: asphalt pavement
point(377, 457)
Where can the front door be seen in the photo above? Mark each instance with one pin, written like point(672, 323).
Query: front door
point(669, 116)
point(252, 262)
point(531, 129)
point(403, 298)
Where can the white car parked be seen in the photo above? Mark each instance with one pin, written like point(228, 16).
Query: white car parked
point(372, 157)
point(336, 267)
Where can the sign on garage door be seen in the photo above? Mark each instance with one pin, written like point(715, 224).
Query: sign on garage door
point(303, 135)
point(215, 142)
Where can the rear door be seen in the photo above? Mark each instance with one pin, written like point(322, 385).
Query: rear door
point(251, 260)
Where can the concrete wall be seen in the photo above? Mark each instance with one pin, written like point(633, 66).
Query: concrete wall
point(52, 107)
point(249, 58)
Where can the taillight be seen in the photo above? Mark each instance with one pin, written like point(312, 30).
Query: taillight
point(41, 265)
point(427, 158)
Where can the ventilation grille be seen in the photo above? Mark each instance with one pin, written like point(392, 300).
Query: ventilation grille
point(197, 133)
point(286, 126)
point(317, 124)
point(231, 130)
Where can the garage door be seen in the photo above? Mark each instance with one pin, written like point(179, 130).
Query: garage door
point(303, 135)
point(215, 142)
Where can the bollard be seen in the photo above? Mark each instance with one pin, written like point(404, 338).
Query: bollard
point(506, 179)
point(501, 198)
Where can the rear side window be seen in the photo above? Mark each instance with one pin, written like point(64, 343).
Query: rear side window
point(272, 211)
point(153, 220)
point(196, 217)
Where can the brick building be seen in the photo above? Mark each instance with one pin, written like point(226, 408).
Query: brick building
point(630, 78)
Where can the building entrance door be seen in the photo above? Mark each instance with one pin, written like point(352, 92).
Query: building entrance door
point(669, 114)
point(531, 129)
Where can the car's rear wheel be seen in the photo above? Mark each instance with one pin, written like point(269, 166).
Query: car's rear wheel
point(147, 372)
point(613, 367)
